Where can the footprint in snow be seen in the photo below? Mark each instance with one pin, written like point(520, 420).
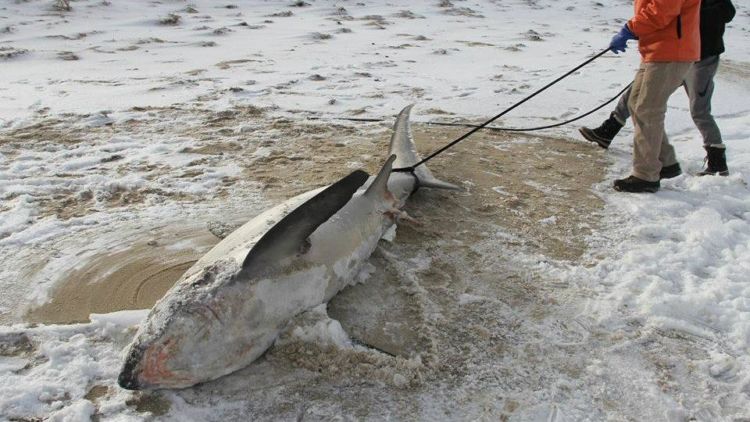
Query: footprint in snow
point(376, 21)
point(67, 56)
point(462, 11)
point(171, 19)
point(407, 14)
point(532, 35)
point(7, 53)
point(320, 36)
point(723, 369)
point(222, 31)
point(284, 14)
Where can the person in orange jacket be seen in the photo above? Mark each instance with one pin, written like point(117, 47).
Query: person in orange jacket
point(699, 85)
point(668, 34)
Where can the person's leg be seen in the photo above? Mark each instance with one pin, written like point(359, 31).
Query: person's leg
point(606, 132)
point(631, 183)
point(667, 156)
point(651, 146)
point(621, 112)
point(634, 92)
point(699, 84)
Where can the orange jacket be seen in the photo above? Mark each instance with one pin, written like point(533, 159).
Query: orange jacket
point(667, 30)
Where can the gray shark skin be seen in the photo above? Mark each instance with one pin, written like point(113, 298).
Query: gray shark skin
point(229, 307)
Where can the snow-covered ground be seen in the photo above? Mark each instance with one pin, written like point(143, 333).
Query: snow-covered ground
point(126, 127)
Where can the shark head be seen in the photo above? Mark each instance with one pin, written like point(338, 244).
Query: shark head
point(163, 360)
point(186, 333)
point(221, 317)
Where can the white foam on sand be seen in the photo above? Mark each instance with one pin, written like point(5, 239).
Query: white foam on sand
point(67, 363)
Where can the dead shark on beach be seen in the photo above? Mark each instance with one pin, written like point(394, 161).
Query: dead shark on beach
point(230, 306)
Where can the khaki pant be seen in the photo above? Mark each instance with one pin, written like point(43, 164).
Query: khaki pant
point(653, 85)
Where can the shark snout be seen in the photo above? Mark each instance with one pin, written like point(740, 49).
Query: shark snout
point(128, 378)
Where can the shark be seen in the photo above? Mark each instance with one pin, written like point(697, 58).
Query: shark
point(230, 306)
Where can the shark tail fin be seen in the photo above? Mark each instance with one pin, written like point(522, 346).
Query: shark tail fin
point(402, 145)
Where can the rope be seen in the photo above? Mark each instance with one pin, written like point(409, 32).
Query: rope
point(504, 112)
point(532, 129)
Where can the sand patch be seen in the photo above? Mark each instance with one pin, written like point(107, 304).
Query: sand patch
point(383, 313)
point(130, 276)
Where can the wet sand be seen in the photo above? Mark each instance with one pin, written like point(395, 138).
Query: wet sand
point(133, 277)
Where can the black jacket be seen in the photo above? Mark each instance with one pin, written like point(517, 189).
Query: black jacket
point(714, 15)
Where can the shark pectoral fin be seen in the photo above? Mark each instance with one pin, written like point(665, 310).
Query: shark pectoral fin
point(289, 237)
point(379, 186)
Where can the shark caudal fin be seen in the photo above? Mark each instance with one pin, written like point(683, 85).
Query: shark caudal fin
point(402, 145)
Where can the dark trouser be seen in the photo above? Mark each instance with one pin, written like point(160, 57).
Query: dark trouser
point(699, 85)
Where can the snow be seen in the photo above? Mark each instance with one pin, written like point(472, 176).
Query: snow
point(120, 319)
point(684, 262)
point(55, 387)
point(316, 327)
point(662, 301)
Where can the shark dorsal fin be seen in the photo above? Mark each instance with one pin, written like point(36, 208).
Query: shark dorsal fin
point(289, 236)
point(379, 186)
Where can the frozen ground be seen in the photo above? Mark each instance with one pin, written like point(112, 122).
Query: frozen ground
point(128, 136)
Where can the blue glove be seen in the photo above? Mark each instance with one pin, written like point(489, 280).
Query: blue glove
point(619, 42)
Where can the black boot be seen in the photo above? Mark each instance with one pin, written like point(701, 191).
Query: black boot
point(716, 161)
point(604, 134)
point(636, 185)
point(669, 172)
